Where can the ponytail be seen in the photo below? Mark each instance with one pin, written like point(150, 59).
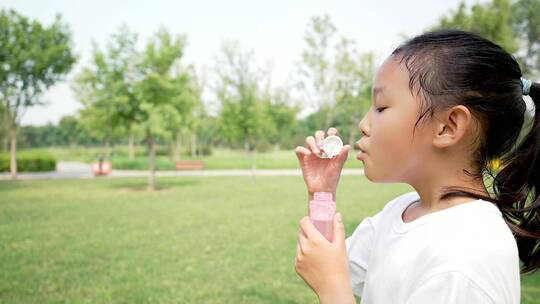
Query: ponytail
point(517, 191)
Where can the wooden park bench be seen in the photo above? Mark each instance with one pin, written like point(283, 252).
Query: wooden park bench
point(189, 165)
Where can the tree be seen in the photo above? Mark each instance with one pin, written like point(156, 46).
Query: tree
point(237, 89)
point(317, 79)
point(526, 25)
point(122, 64)
point(354, 74)
point(4, 139)
point(491, 20)
point(280, 114)
point(156, 90)
point(98, 115)
point(106, 90)
point(33, 58)
point(515, 25)
point(337, 77)
point(70, 130)
point(187, 103)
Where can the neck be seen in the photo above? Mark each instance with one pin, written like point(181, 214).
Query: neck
point(430, 189)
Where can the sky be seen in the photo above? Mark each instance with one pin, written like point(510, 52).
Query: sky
point(272, 29)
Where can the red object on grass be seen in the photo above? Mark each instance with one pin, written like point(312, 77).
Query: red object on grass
point(101, 168)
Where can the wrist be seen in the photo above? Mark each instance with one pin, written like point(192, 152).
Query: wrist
point(345, 297)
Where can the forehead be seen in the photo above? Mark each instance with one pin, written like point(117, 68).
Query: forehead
point(392, 77)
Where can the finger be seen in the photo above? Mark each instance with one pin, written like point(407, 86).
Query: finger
point(343, 154)
point(303, 242)
point(310, 231)
point(310, 143)
point(332, 131)
point(298, 250)
point(339, 229)
point(301, 152)
point(319, 137)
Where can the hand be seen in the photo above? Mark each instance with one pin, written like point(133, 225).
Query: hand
point(324, 266)
point(321, 174)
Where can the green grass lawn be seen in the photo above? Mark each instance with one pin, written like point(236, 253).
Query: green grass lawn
point(198, 240)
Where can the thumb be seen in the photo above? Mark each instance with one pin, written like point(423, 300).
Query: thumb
point(339, 229)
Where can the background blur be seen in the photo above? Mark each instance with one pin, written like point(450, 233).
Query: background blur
point(146, 148)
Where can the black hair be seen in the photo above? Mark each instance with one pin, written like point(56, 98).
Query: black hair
point(452, 67)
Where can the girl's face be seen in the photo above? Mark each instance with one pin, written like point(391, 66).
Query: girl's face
point(391, 153)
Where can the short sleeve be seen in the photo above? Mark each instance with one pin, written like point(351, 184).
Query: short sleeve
point(449, 288)
point(359, 246)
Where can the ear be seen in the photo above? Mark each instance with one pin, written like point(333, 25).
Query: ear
point(451, 126)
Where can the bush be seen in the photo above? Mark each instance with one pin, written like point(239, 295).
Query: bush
point(141, 163)
point(29, 161)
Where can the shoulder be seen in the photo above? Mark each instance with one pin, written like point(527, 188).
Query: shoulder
point(370, 224)
point(480, 229)
point(401, 201)
point(452, 286)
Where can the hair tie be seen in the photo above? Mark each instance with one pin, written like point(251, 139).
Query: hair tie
point(526, 85)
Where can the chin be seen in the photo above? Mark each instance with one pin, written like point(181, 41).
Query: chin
point(374, 177)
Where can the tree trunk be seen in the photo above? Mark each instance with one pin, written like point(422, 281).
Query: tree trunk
point(131, 149)
point(6, 143)
point(13, 158)
point(193, 144)
point(249, 154)
point(107, 148)
point(151, 163)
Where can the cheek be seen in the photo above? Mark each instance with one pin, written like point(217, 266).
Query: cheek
point(391, 147)
point(392, 136)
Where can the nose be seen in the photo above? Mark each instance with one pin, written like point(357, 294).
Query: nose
point(363, 126)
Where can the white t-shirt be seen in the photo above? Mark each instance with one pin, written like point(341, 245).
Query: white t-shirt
point(463, 254)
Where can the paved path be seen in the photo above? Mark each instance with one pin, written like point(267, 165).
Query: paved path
point(76, 170)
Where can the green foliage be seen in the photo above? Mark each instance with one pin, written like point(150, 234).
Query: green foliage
point(33, 57)
point(29, 161)
point(105, 88)
point(336, 80)
point(515, 25)
point(280, 116)
point(354, 76)
point(159, 95)
point(526, 24)
point(316, 68)
point(491, 20)
point(3, 126)
point(241, 120)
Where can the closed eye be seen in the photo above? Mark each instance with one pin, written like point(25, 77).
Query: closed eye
point(381, 109)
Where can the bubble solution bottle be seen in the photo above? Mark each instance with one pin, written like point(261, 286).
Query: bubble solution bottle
point(321, 212)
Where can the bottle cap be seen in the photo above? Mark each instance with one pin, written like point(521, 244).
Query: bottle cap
point(322, 196)
point(331, 146)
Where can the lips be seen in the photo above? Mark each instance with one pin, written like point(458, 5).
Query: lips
point(362, 152)
point(361, 148)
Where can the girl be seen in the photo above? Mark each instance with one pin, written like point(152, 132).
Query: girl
point(445, 104)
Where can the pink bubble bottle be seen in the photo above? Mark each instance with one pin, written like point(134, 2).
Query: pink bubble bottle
point(321, 212)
